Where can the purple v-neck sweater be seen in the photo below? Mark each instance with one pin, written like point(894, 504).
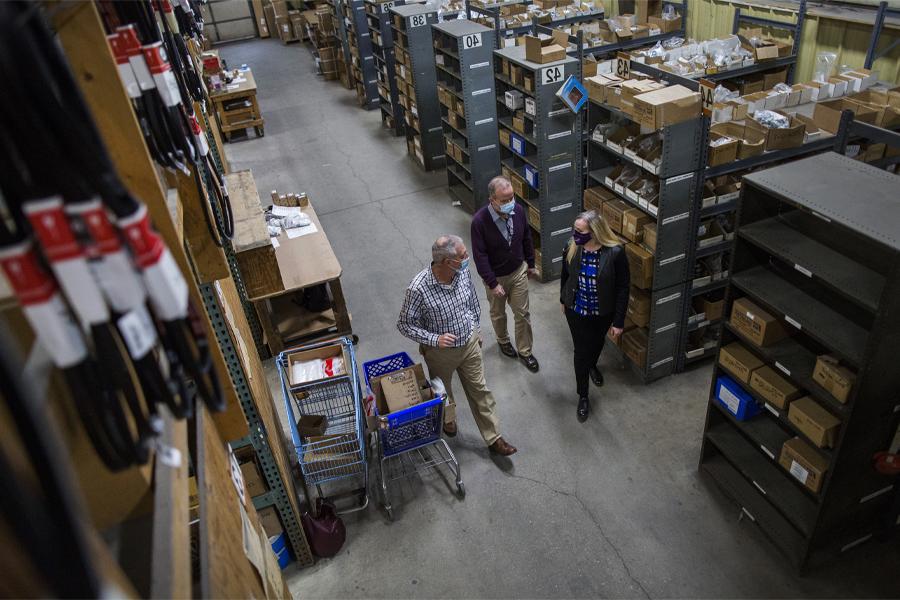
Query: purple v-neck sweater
point(493, 256)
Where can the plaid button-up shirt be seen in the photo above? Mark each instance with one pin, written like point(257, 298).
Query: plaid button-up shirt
point(431, 309)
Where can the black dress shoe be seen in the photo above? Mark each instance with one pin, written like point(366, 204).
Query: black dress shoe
point(530, 363)
point(596, 376)
point(508, 350)
point(584, 409)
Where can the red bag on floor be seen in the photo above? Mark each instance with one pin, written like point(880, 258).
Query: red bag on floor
point(325, 533)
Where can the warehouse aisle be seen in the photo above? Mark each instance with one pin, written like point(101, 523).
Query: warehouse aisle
point(611, 508)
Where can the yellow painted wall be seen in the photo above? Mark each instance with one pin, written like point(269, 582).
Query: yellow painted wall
point(711, 18)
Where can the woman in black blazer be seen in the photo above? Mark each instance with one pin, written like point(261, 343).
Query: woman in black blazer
point(593, 296)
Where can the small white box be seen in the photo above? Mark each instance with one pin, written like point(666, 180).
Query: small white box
point(514, 99)
point(530, 107)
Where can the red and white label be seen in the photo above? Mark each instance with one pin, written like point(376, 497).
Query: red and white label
point(126, 73)
point(132, 46)
point(51, 226)
point(146, 245)
point(93, 219)
point(199, 136)
point(161, 70)
point(27, 276)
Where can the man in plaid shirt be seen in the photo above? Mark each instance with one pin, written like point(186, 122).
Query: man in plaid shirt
point(442, 313)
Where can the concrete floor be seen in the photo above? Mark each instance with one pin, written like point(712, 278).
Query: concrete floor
point(614, 507)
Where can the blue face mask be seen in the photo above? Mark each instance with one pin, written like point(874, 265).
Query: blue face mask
point(509, 207)
point(464, 264)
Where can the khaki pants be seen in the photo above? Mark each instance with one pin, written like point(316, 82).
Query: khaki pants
point(468, 363)
point(516, 286)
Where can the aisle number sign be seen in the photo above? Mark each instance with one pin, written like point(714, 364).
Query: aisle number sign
point(623, 65)
point(418, 20)
point(473, 40)
point(552, 74)
point(707, 93)
point(387, 6)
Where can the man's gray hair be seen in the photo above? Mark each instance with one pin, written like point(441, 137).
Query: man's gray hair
point(496, 184)
point(446, 246)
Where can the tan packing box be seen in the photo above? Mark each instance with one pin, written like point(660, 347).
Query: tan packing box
point(739, 361)
point(724, 152)
point(404, 388)
point(665, 25)
point(836, 379)
point(780, 139)
point(268, 518)
point(324, 352)
point(666, 106)
point(613, 212)
point(269, 12)
point(595, 197)
point(253, 481)
point(712, 309)
point(827, 115)
point(260, 15)
point(640, 263)
point(543, 50)
point(636, 87)
point(816, 423)
point(756, 324)
point(280, 8)
point(639, 306)
point(633, 221)
point(803, 462)
point(752, 141)
point(774, 388)
point(634, 346)
point(648, 240)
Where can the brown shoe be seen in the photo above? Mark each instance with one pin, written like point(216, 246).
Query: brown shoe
point(502, 448)
point(450, 429)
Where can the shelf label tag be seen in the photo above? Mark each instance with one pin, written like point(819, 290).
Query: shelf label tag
point(799, 473)
point(749, 515)
point(768, 453)
point(560, 231)
point(491, 147)
point(479, 65)
point(666, 327)
point(759, 487)
point(435, 129)
point(675, 218)
point(855, 543)
point(803, 270)
point(668, 298)
point(662, 362)
point(559, 167)
point(480, 92)
point(483, 121)
point(472, 40)
point(876, 494)
point(623, 65)
point(821, 216)
point(793, 322)
point(671, 259)
point(387, 6)
point(678, 178)
point(418, 20)
point(772, 410)
point(750, 316)
point(707, 93)
point(732, 402)
point(554, 136)
point(561, 207)
point(783, 368)
point(702, 324)
point(556, 113)
point(552, 74)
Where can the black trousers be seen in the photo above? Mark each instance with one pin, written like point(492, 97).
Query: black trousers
point(589, 335)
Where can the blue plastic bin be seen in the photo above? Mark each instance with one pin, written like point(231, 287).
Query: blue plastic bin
point(735, 399)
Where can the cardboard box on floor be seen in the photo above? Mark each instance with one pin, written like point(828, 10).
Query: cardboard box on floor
point(639, 306)
point(634, 345)
point(803, 462)
point(813, 421)
point(756, 324)
point(260, 16)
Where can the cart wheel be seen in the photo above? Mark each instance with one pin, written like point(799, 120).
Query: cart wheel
point(260, 132)
point(461, 490)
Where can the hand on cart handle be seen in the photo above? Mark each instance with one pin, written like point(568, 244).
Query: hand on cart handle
point(446, 340)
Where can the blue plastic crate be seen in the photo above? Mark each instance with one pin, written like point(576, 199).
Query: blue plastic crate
point(532, 177)
point(387, 364)
point(733, 398)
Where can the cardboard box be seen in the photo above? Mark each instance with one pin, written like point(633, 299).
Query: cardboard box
point(268, 518)
point(756, 324)
point(402, 389)
point(595, 197)
point(752, 140)
point(774, 388)
point(308, 425)
point(269, 12)
point(724, 152)
point(711, 309)
point(836, 379)
point(666, 106)
point(739, 361)
point(543, 50)
point(735, 399)
point(504, 136)
point(280, 8)
point(803, 462)
point(325, 352)
point(813, 421)
point(634, 346)
point(648, 240)
point(260, 16)
point(665, 25)
point(640, 263)
point(773, 78)
point(639, 306)
point(253, 481)
point(780, 139)
point(827, 115)
point(633, 221)
point(613, 212)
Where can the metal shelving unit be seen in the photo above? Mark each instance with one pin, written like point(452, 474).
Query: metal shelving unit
point(512, 32)
point(468, 106)
point(794, 29)
point(340, 33)
point(552, 150)
point(817, 247)
point(382, 39)
point(362, 60)
point(416, 82)
point(873, 53)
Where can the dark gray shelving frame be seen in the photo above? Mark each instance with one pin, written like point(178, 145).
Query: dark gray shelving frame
point(553, 148)
point(340, 33)
point(363, 68)
point(378, 17)
point(840, 217)
point(467, 74)
point(416, 41)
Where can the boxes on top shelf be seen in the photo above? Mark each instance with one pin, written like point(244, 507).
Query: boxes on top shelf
point(543, 50)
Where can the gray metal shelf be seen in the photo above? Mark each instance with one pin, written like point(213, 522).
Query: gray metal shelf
point(557, 152)
point(835, 214)
point(379, 20)
point(414, 37)
point(341, 33)
point(362, 59)
point(468, 76)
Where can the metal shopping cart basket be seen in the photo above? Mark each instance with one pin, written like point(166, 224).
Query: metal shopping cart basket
point(409, 441)
point(338, 451)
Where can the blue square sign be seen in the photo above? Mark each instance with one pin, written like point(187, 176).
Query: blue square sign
point(573, 94)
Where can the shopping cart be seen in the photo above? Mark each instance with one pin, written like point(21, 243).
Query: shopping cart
point(339, 451)
point(409, 441)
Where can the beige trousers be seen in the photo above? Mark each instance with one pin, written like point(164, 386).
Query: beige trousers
point(467, 362)
point(516, 286)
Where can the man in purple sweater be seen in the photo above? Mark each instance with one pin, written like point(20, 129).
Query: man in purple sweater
point(504, 256)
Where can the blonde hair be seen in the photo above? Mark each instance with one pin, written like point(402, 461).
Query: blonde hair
point(600, 231)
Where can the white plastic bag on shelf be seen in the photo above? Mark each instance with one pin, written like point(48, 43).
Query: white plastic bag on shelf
point(318, 368)
point(772, 120)
point(723, 94)
point(669, 13)
point(824, 68)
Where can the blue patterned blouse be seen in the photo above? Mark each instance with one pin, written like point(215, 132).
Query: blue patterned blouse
point(586, 302)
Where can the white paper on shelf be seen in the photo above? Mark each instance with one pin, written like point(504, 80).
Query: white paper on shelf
point(301, 231)
point(286, 211)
